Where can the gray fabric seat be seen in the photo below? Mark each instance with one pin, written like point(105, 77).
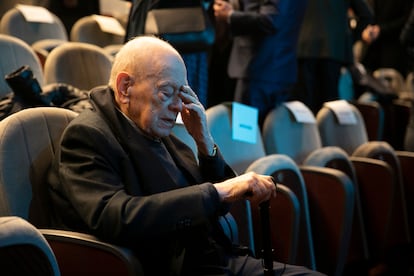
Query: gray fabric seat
point(24, 250)
point(353, 139)
point(87, 30)
point(18, 53)
point(283, 134)
point(82, 65)
point(28, 141)
point(241, 155)
point(40, 36)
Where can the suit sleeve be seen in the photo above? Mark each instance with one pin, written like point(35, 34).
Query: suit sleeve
point(255, 19)
point(93, 174)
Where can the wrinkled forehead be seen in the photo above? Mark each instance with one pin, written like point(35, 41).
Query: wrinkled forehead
point(164, 65)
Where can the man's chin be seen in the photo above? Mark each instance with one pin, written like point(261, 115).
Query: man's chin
point(163, 131)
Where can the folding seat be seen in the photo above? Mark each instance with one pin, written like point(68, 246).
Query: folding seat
point(18, 53)
point(291, 129)
point(352, 137)
point(409, 132)
point(328, 210)
point(24, 250)
point(240, 155)
point(41, 36)
point(28, 142)
point(373, 115)
point(395, 107)
point(391, 78)
point(88, 30)
point(79, 64)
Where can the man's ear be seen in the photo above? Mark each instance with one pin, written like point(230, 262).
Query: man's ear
point(123, 82)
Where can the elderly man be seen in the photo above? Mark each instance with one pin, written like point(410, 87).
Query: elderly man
point(122, 176)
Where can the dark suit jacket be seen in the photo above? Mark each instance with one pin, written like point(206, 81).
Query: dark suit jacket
point(325, 30)
point(265, 39)
point(109, 183)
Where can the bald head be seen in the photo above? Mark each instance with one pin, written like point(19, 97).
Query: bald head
point(139, 55)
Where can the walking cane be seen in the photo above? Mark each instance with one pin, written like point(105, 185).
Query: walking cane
point(266, 238)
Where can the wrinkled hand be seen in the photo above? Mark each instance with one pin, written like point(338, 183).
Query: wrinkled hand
point(255, 187)
point(195, 121)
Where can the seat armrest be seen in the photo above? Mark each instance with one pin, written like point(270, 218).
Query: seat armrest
point(83, 254)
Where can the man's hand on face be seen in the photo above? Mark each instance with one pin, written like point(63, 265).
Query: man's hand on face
point(195, 121)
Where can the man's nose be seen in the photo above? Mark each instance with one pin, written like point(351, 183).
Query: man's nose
point(176, 103)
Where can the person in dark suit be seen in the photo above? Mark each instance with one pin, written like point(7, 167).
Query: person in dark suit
point(386, 50)
point(119, 173)
point(326, 46)
point(263, 56)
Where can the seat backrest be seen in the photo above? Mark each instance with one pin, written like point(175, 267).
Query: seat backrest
point(87, 29)
point(24, 250)
point(374, 120)
point(238, 154)
point(29, 139)
point(353, 139)
point(13, 23)
point(331, 207)
point(391, 78)
point(28, 142)
point(17, 53)
point(336, 158)
point(376, 179)
point(346, 136)
point(292, 243)
point(82, 65)
point(399, 230)
point(283, 134)
point(406, 159)
point(397, 120)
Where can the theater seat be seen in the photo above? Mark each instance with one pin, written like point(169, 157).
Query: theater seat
point(291, 129)
point(352, 137)
point(28, 141)
point(18, 53)
point(24, 250)
point(88, 30)
point(79, 64)
point(42, 37)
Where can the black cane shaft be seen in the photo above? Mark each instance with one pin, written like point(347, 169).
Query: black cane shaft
point(266, 238)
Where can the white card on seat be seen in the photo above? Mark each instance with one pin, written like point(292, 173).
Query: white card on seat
point(35, 14)
point(244, 123)
point(109, 24)
point(301, 112)
point(343, 112)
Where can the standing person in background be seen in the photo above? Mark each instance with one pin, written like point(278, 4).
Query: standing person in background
point(325, 46)
point(385, 49)
point(263, 56)
point(71, 10)
point(220, 85)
